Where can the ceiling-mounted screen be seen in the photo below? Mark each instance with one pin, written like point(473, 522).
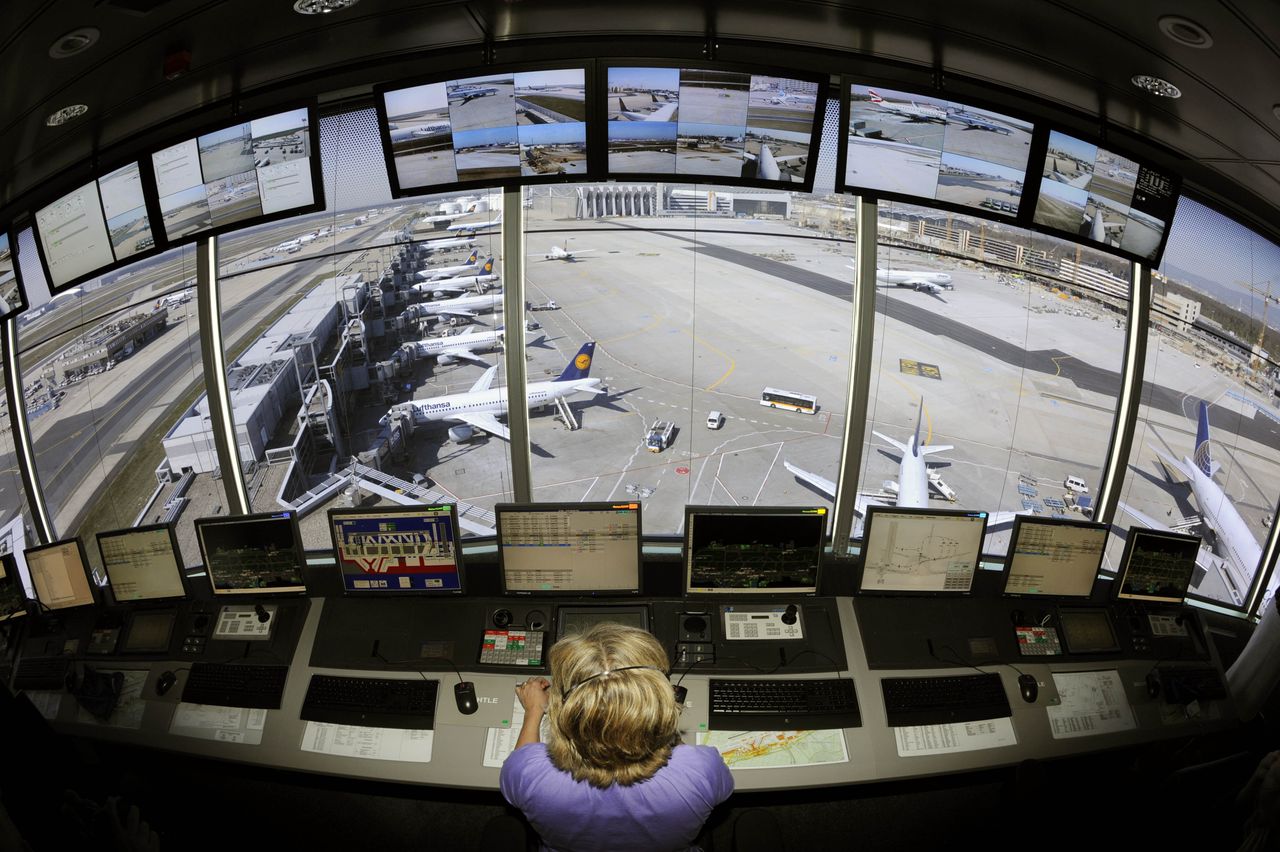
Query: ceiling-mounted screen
point(12, 296)
point(486, 129)
point(935, 149)
point(730, 126)
point(249, 170)
point(1089, 192)
point(92, 227)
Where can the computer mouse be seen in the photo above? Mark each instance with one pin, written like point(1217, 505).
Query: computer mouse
point(1028, 687)
point(464, 693)
point(165, 682)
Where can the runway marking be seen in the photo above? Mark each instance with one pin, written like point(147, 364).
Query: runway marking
point(755, 500)
point(588, 491)
point(1057, 362)
point(733, 365)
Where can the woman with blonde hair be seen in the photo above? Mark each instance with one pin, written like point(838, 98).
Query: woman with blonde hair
point(613, 774)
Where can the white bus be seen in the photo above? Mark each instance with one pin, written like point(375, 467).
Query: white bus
point(802, 402)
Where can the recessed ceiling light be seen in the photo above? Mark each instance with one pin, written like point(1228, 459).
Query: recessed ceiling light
point(76, 41)
point(1156, 86)
point(1275, 110)
point(65, 114)
point(322, 7)
point(1185, 31)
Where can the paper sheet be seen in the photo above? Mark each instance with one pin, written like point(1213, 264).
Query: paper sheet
point(224, 724)
point(777, 749)
point(500, 742)
point(922, 740)
point(1092, 703)
point(368, 743)
point(130, 707)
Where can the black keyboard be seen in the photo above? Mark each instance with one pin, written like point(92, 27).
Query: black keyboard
point(940, 700)
point(1184, 685)
point(806, 705)
point(229, 685)
point(42, 673)
point(372, 702)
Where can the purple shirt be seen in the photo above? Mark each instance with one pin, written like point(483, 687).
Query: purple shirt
point(664, 812)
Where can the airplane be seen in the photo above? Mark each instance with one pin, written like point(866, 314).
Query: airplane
point(463, 306)
point(666, 112)
point(1236, 552)
point(932, 283)
point(1080, 181)
point(423, 131)
point(439, 272)
point(470, 93)
point(472, 227)
point(975, 122)
point(479, 408)
point(767, 164)
point(914, 112)
point(558, 253)
point(464, 284)
point(783, 98)
point(446, 217)
point(449, 350)
point(290, 246)
point(432, 246)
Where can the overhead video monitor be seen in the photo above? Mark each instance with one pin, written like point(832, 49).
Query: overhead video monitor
point(935, 149)
point(1054, 558)
point(720, 125)
point(512, 125)
point(61, 575)
point(1156, 566)
point(252, 170)
point(755, 550)
point(569, 548)
point(13, 597)
point(252, 554)
point(13, 296)
point(143, 564)
point(920, 551)
point(397, 549)
point(93, 227)
point(1105, 199)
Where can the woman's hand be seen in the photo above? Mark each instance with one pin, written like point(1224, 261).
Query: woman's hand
point(533, 695)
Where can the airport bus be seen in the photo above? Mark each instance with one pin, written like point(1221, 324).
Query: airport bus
point(802, 402)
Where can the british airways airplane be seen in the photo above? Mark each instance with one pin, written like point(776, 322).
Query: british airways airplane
point(479, 408)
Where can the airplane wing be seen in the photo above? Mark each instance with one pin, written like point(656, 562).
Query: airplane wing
point(826, 486)
point(1170, 463)
point(485, 422)
point(483, 383)
point(457, 312)
point(468, 355)
point(1079, 181)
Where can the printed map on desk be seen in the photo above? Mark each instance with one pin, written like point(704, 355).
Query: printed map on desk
point(777, 749)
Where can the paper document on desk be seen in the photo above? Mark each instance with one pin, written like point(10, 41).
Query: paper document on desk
point(129, 707)
point(777, 749)
point(224, 724)
point(924, 740)
point(368, 743)
point(500, 742)
point(1092, 703)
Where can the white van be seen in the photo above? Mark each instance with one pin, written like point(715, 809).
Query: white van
point(715, 420)
point(1076, 484)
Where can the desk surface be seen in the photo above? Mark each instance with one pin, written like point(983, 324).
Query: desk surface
point(458, 744)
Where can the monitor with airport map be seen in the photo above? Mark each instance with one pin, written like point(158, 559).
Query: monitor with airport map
point(1157, 566)
point(569, 548)
point(252, 554)
point(753, 550)
point(920, 551)
point(397, 549)
point(1053, 557)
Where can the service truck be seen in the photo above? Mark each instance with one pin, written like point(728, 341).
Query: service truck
point(660, 434)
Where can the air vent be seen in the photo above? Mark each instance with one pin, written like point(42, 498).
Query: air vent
point(1185, 31)
point(1156, 86)
point(67, 113)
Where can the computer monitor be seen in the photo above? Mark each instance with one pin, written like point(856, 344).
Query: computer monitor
point(753, 550)
point(569, 548)
point(1052, 557)
point(252, 554)
point(13, 597)
point(143, 564)
point(1157, 566)
point(61, 575)
point(397, 549)
point(920, 551)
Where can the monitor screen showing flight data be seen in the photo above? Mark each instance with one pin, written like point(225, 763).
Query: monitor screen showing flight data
point(711, 123)
point(728, 549)
point(1156, 566)
point(142, 564)
point(246, 171)
point(525, 124)
point(89, 229)
point(60, 574)
point(935, 149)
point(397, 549)
point(1054, 558)
point(12, 596)
point(569, 548)
point(922, 551)
point(12, 297)
point(1104, 197)
point(252, 554)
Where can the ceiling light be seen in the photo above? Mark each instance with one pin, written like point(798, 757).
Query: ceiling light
point(65, 114)
point(76, 41)
point(1185, 31)
point(1275, 110)
point(322, 7)
point(1156, 86)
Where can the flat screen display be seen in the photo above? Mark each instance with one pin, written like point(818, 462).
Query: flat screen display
point(710, 123)
point(506, 125)
point(1156, 566)
point(573, 548)
point(397, 549)
point(12, 596)
point(758, 550)
point(1054, 558)
point(921, 551)
point(142, 564)
point(935, 149)
point(1106, 198)
point(94, 226)
point(238, 173)
point(11, 296)
point(60, 574)
point(252, 554)
point(1088, 631)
